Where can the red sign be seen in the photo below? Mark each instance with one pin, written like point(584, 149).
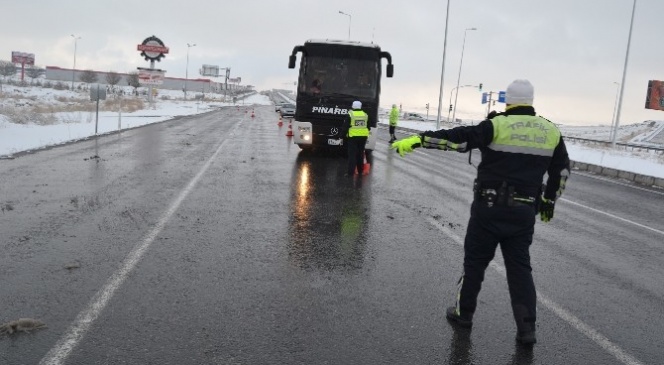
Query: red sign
point(655, 95)
point(23, 58)
point(152, 48)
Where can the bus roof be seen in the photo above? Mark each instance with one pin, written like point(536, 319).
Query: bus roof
point(342, 43)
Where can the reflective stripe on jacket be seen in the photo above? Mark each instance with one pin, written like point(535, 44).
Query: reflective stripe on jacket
point(359, 121)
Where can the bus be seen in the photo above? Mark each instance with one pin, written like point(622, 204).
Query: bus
point(333, 74)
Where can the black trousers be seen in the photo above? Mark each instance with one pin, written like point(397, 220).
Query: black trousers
point(356, 154)
point(392, 129)
point(512, 228)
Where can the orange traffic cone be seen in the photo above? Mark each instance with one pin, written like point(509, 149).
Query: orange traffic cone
point(252, 113)
point(280, 122)
point(289, 132)
point(367, 165)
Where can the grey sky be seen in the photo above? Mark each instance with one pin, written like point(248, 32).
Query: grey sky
point(571, 50)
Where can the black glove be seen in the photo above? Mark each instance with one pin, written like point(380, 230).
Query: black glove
point(546, 207)
point(492, 114)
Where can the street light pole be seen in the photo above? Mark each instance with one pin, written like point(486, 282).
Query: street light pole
point(442, 72)
point(73, 70)
point(622, 85)
point(459, 77)
point(615, 106)
point(186, 73)
point(350, 18)
point(451, 92)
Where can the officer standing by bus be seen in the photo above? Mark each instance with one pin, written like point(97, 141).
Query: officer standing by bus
point(357, 134)
point(394, 118)
point(518, 148)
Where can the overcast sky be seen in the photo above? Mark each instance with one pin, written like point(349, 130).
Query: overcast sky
point(573, 51)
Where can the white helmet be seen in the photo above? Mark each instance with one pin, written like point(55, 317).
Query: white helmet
point(357, 104)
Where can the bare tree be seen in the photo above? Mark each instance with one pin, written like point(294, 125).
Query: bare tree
point(132, 80)
point(34, 72)
point(88, 76)
point(7, 69)
point(113, 78)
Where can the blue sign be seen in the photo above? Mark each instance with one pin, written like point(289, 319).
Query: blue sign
point(501, 96)
point(484, 98)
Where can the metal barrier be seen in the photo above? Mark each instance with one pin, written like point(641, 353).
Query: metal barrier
point(626, 146)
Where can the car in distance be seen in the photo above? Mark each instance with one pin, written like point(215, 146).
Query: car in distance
point(413, 116)
point(279, 104)
point(288, 110)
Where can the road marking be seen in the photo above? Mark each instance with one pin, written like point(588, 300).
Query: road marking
point(85, 318)
point(558, 310)
point(616, 182)
point(613, 216)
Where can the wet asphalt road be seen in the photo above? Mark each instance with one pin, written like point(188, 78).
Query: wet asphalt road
point(212, 240)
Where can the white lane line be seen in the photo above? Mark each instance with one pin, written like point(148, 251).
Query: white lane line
point(613, 216)
point(558, 310)
point(83, 321)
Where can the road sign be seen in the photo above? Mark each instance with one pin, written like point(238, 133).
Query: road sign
point(485, 98)
point(501, 96)
point(149, 76)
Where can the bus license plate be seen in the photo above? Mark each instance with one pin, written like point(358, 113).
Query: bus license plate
point(335, 142)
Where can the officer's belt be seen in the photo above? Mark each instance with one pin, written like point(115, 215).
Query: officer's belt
point(504, 195)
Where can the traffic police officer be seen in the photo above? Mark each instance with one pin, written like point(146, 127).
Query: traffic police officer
point(518, 148)
point(358, 132)
point(394, 118)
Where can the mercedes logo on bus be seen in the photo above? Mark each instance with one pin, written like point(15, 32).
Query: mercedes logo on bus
point(153, 49)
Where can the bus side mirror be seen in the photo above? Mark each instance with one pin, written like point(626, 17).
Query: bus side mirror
point(390, 70)
point(291, 61)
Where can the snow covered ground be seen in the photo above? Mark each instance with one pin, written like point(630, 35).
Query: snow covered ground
point(51, 117)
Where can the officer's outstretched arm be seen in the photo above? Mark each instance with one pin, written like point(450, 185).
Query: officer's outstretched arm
point(443, 144)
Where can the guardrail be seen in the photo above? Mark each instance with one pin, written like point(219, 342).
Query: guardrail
point(626, 146)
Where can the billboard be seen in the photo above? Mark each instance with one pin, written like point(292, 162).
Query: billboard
point(655, 95)
point(23, 58)
point(209, 70)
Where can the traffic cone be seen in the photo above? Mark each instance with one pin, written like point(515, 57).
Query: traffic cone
point(289, 132)
point(252, 113)
point(280, 122)
point(367, 165)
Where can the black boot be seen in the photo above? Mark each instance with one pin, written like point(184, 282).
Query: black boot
point(460, 320)
point(525, 325)
point(526, 337)
point(526, 333)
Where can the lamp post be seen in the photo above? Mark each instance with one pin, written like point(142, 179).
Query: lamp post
point(442, 72)
point(622, 85)
point(455, 88)
point(350, 18)
point(615, 106)
point(73, 70)
point(186, 72)
point(459, 77)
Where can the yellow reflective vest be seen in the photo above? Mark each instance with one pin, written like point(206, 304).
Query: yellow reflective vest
point(359, 124)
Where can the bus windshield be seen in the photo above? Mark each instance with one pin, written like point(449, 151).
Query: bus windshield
point(336, 75)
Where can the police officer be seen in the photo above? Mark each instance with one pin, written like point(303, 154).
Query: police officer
point(357, 134)
point(394, 118)
point(518, 148)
